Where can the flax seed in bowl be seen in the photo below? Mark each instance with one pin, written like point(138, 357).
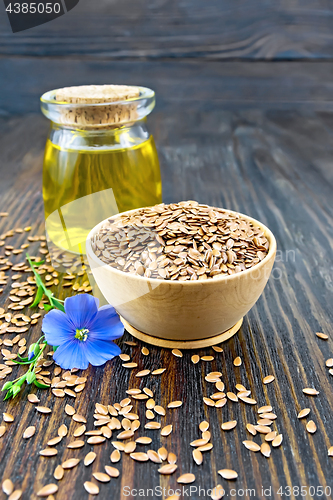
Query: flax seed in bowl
point(183, 271)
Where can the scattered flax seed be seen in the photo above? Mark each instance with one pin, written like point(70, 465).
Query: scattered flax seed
point(197, 456)
point(205, 447)
point(329, 363)
point(174, 497)
point(101, 477)
point(142, 373)
point(322, 335)
point(62, 431)
point(247, 400)
point(265, 449)
point(159, 371)
point(195, 359)
point(309, 391)
point(43, 409)
point(154, 457)
point(124, 357)
point(227, 426)
point(59, 393)
point(54, 441)
point(143, 440)
point(204, 426)
point(8, 417)
point(69, 464)
point(304, 413)
point(160, 410)
point(115, 456)
point(162, 453)
point(208, 402)
point(251, 428)
point(175, 404)
point(145, 351)
point(217, 492)
point(263, 429)
point(268, 379)
point(47, 490)
point(151, 425)
point(130, 392)
point(232, 397)
point(79, 443)
point(16, 495)
point(277, 441)
point(96, 440)
point(207, 358)
point(150, 415)
point(265, 409)
point(148, 392)
point(111, 471)
point(79, 418)
point(139, 456)
point(166, 430)
point(168, 469)
point(311, 427)
point(7, 487)
point(91, 488)
point(177, 353)
point(228, 473)
point(251, 445)
point(330, 451)
point(2, 430)
point(220, 386)
point(264, 421)
point(29, 432)
point(216, 348)
point(130, 365)
point(186, 479)
point(130, 447)
point(270, 416)
point(79, 431)
point(237, 361)
point(240, 388)
point(130, 342)
point(270, 436)
point(199, 442)
point(58, 473)
point(243, 394)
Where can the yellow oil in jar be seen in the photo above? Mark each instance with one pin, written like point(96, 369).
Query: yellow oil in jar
point(82, 187)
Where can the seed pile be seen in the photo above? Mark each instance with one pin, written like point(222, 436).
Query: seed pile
point(181, 241)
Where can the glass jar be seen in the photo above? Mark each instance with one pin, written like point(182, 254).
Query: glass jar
point(95, 168)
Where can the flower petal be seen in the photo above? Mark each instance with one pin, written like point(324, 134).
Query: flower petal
point(71, 354)
point(81, 309)
point(106, 325)
point(98, 352)
point(57, 327)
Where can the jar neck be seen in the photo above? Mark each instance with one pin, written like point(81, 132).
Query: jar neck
point(125, 137)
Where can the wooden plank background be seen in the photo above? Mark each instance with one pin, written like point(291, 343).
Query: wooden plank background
point(243, 121)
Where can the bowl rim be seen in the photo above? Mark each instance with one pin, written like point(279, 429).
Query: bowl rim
point(268, 233)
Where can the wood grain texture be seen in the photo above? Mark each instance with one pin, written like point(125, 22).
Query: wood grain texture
point(191, 28)
point(275, 166)
point(203, 84)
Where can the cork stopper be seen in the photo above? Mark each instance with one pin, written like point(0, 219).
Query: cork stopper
point(89, 116)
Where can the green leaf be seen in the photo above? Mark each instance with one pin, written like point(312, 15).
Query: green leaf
point(57, 304)
point(39, 296)
point(40, 385)
point(47, 307)
point(31, 377)
point(7, 386)
point(16, 389)
point(39, 263)
point(8, 395)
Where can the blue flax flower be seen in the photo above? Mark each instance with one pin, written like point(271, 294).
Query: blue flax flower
point(83, 333)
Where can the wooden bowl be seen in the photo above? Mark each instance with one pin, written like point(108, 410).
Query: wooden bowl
point(182, 310)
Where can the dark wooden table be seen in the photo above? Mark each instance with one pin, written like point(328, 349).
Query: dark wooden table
point(275, 165)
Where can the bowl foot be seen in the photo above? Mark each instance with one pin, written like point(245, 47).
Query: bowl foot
point(182, 344)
